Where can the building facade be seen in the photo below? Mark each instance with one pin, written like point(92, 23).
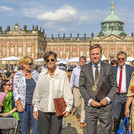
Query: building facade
point(112, 38)
point(18, 42)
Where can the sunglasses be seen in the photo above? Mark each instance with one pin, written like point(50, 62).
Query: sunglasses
point(9, 84)
point(50, 60)
point(30, 64)
point(121, 59)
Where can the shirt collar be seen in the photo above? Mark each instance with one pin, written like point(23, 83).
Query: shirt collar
point(97, 64)
point(122, 66)
point(79, 67)
point(56, 71)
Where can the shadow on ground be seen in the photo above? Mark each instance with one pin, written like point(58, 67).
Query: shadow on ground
point(69, 130)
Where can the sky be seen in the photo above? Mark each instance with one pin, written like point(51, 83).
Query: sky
point(65, 16)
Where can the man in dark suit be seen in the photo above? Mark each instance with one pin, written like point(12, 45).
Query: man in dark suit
point(91, 76)
point(123, 75)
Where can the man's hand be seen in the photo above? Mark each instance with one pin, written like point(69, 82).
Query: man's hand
point(35, 115)
point(66, 113)
point(104, 102)
point(95, 103)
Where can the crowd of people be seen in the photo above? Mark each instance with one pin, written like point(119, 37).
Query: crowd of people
point(30, 91)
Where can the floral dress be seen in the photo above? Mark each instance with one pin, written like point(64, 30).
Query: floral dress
point(7, 104)
point(131, 93)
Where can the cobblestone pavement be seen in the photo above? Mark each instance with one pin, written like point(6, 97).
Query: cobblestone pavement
point(74, 126)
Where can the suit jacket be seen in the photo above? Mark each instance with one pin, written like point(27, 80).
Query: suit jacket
point(87, 81)
point(129, 70)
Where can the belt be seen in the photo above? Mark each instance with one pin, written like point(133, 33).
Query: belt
point(121, 93)
point(76, 87)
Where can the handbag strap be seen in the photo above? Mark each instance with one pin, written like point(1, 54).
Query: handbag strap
point(127, 127)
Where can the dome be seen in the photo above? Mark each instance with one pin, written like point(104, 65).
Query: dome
point(112, 24)
point(112, 18)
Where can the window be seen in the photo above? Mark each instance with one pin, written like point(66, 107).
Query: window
point(103, 51)
point(61, 53)
point(128, 52)
point(11, 41)
point(112, 52)
point(87, 53)
point(29, 41)
point(19, 41)
point(28, 50)
point(81, 53)
point(20, 50)
point(12, 50)
point(3, 41)
point(67, 54)
point(74, 53)
point(4, 50)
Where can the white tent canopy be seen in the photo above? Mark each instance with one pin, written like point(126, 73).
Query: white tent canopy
point(60, 59)
point(12, 58)
point(88, 59)
point(103, 58)
point(61, 62)
point(75, 59)
point(130, 59)
point(39, 60)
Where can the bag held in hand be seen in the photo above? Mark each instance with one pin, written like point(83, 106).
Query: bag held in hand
point(102, 91)
point(60, 106)
point(121, 129)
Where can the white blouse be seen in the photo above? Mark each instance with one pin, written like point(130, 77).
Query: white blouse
point(50, 87)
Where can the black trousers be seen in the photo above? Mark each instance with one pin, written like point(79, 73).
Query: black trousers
point(49, 123)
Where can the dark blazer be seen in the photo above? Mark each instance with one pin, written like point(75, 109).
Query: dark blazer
point(87, 81)
point(129, 70)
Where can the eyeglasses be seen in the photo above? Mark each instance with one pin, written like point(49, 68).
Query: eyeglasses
point(9, 84)
point(30, 64)
point(121, 59)
point(50, 60)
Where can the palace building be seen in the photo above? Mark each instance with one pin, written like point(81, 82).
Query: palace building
point(18, 42)
point(112, 38)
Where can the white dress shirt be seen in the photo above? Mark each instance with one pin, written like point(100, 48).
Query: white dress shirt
point(50, 87)
point(123, 84)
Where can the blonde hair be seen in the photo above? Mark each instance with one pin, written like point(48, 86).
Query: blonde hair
point(25, 60)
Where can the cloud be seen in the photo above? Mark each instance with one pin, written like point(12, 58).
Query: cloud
point(62, 29)
point(6, 9)
point(65, 14)
point(31, 12)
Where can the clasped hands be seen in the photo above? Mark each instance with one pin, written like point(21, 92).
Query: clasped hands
point(103, 102)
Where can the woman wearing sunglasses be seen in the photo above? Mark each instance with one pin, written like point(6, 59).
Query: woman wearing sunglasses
point(23, 88)
point(52, 83)
point(9, 108)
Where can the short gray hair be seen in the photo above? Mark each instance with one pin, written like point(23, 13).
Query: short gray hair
point(121, 52)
